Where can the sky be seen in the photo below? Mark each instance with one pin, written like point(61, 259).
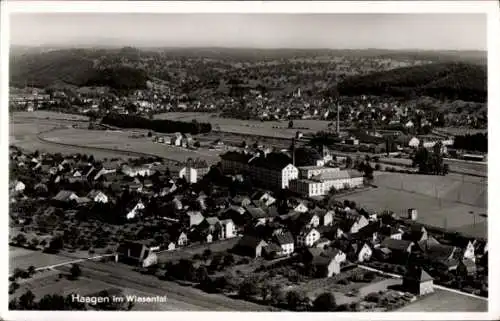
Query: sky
point(336, 31)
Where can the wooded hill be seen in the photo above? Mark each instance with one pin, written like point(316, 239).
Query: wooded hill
point(442, 80)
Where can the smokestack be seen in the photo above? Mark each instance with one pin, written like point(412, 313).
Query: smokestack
point(338, 119)
point(293, 151)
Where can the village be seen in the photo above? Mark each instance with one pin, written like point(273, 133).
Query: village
point(254, 226)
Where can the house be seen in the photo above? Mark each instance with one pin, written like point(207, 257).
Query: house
point(195, 218)
point(17, 186)
point(228, 229)
point(326, 217)
point(65, 196)
point(301, 207)
point(241, 200)
point(466, 267)
point(257, 215)
point(263, 198)
point(187, 140)
point(355, 224)
point(328, 263)
point(416, 234)
point(180, 238)
point(391, 232)
point(322, 243)
point(135, 251)
point(98, 196)
point(286, 243)
point(308, 237)
point(250, 245)
point(414, 142)
point(168, 189)
point(469, 252)
point(365, 253)
point(398, 248)
point(418, 281)
point(176, 140)
point(135, 210)
point(309, 219)
point(193, 173)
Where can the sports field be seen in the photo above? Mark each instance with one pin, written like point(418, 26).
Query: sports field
point(419, 193)
point(446, 301)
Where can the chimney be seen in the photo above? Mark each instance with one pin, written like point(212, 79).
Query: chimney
point(338, 120)
point(293, 151)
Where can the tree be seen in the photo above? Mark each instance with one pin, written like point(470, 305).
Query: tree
point(228, 260)
point(27, 301)
point(325, 302)
point(75, 271)
point(20, 239)
point(150, 134)
point(248, 288)
point(17, 273)
point(202, 274)
point(290, 124)
point(297, 301)
point(207, 254)
point(348, 162)
point(34, 243)
point(31, 270)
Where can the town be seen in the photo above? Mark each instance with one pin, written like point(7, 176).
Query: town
point(159, 178)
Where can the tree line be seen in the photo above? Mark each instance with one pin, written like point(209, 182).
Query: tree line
point(477, 142)
point(159, 125)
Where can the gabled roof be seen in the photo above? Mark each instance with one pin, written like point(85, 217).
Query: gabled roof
point(63, 196)
point(256, 212)
point(395, 245)
point(418, 274)
point(250, 241)
point(93, 193)
point(273, 161)
point(284, 238)
point(212, 220)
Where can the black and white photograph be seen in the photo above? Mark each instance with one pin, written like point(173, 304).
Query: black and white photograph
point(247, 161)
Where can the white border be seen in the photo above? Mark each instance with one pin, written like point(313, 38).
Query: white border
point(489, 7)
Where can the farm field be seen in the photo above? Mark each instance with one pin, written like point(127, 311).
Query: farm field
point(252, 127)
point(124, 140)
point(455, 164)
point(446, 301)
point(53, 115)
point(431, 211)
point(23, 258)
point(188, 252)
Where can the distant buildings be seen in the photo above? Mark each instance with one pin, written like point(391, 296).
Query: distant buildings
point(319, 181)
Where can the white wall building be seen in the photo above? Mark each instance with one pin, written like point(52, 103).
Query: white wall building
point(321, 184)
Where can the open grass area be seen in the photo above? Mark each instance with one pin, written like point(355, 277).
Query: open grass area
point(431, 211)
point(23, 258)
point(252, 127)
point(455, 188)
point(126, 141)
point(446, 301)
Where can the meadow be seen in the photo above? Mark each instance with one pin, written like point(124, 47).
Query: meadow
point(419, 192)
point(446, 301)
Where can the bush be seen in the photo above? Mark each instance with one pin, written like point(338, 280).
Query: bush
point(372, 297)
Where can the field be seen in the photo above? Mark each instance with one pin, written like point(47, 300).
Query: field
point(446, 301)
point(126, 141)
point(188, 252)
point(432, 211)
point(252, 127)
point(23, 258)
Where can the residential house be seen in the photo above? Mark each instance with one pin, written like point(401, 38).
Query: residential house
point(136, 210)
point(308, 237)
point(250, 245)
point(469, 252)
point(418, 281)
point(228, 229)
point(194, 172)
point(328, 263)
point(416, 234)
point(176, 140)
point(391, 232)
point(365, 253)
point(263, 198)
point(326, 217)
point(399, 249)
point(135, 251)
point(354, 225)
point(17, 186)
point(301, 207)
point(65, 196)
point(308, 219)
point(466, 267)
point(195, 218)
point(286, 243)
point(98, 196)
point(187, 140)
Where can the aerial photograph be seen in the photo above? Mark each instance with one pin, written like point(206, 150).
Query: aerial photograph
point(248, 162)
